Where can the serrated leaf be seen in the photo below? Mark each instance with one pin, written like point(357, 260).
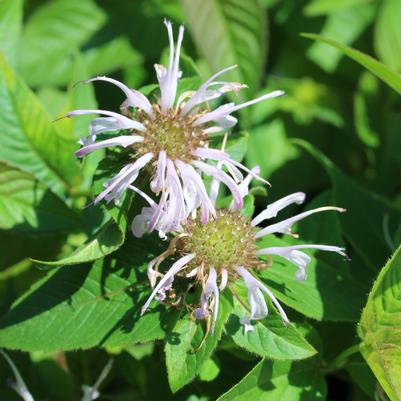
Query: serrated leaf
point(27, 205)
point(52, 33)
point(270, 337)
point(278, 380)
point(10, 28)
point(237, 37)
point(380, 328)
point(183, 359)
point(88, 306)
point(390, 77)
point(28, 139)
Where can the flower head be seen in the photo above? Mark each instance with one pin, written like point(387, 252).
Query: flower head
point(170, 138)
point(226, 249)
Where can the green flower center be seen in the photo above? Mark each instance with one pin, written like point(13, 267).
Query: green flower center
point(172, 133)
point(223, 243)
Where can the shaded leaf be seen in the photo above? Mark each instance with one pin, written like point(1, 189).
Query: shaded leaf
point(88, 306)
point(27, 205)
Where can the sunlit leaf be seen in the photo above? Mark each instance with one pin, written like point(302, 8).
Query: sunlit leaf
point(377, 68)
point(237, 36)
point(380, 325)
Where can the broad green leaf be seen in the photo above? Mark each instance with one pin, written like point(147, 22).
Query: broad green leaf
point(27, 205)
point(345, 25)
point(269, 147)
point(380, 325)
point(321, 7)
point(387, 39)
point(390, 77)
point(279, 381)
point(103, 242)
point(209, 370)
point(88, 306)
point(237, 37)
point(113, 55)
point(328, 293)
point(184, 361)
point(10, 28)
point(107, 239)
point(366, 213)
point(28, 139)
point(270, 337)
point(51, 35)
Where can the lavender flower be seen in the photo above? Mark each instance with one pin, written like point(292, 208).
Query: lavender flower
point(226, 249)
point(171, 139)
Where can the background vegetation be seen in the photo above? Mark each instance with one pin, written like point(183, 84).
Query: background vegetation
point(336, 136)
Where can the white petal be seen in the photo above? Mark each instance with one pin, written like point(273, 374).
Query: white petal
point(275, 207)
point(223, 111)
point(299, 258)
point(122, 140)
point(134, 98)
point(157, 184)
point(123, 122)
point(175, 268)
point(284, 227)
point(251, 282)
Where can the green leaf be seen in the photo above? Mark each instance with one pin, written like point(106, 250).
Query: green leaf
point(52, 33)
point(321, 7)
point(345, 25)
point(29, 141)
point(183, 359)
point(10, 28)
point(269, 147)
point(387, 39)
point(27, 205)
point(270, 337)
point(88, 306)
point(390, 77)
point(379, 328)
point(209, 370)
point(278, 380)
point(237, 37)
point(366, 213)
point(328, 293)
point(103, 242)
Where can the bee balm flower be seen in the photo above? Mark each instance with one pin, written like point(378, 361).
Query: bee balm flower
point(171, 139)
point(226, 249)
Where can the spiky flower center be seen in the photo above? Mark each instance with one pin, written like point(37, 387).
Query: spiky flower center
point(170, 132)
point(223, 243)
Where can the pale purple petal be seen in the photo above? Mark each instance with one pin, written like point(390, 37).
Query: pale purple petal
point(134, 98)
point(123, 122)
point(284, 227)
point(224, 279)
point(122, 140)
point(223, 111)
point(221, 176)
point(299, 258)
point(127, 175)
point(175, 268)
point(275, 207)
point(252, 283)
point(157, 184)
